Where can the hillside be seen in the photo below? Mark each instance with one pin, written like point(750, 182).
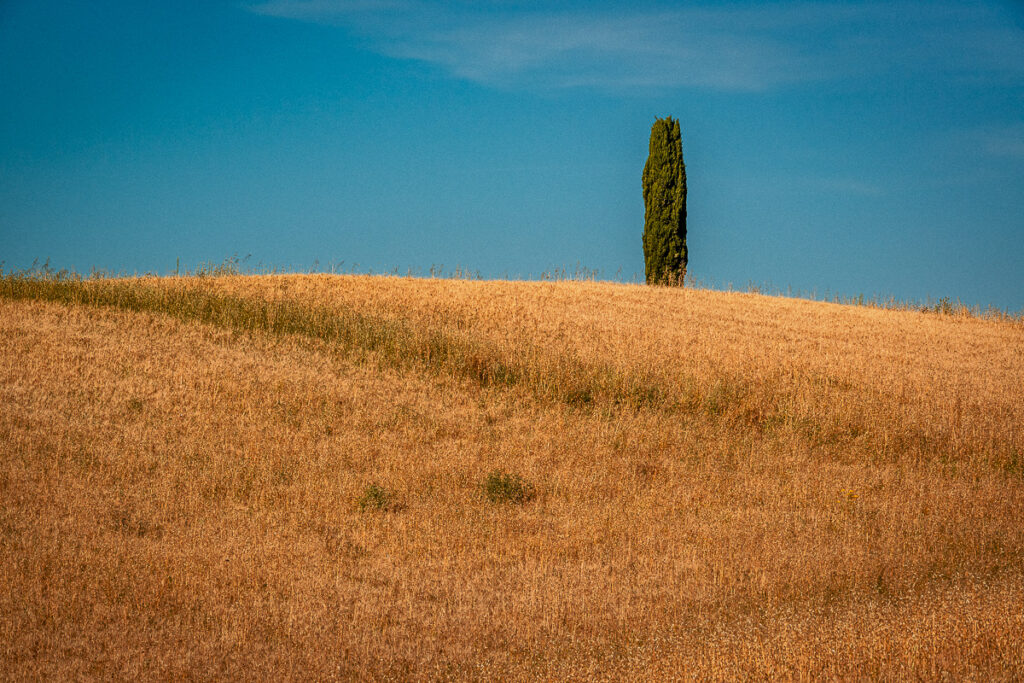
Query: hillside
point(302, 476)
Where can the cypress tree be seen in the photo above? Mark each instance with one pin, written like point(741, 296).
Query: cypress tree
point(664, 182)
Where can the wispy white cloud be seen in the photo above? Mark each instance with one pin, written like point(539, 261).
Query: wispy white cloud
point(740, 47)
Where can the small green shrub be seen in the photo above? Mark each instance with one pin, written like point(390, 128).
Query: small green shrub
point(502, 487)
point(580, 398)
point(376, 498)
point(1011, 462)
point(717, 399)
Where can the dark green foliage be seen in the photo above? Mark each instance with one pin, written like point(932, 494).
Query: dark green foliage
point(375, 498)
point(664, 182)
point(502, 487)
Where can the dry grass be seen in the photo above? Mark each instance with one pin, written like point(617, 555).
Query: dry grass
point(236, 477)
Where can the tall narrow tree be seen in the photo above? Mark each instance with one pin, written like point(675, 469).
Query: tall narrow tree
point(664, 182)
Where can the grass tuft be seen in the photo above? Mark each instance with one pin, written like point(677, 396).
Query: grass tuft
point(503, 487)
point(376, 498)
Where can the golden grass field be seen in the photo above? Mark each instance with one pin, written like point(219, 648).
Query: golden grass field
point(285, 477)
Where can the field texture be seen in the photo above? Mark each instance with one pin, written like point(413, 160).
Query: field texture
point(306, 476)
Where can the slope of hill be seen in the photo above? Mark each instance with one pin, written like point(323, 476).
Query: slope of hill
point(344, 476)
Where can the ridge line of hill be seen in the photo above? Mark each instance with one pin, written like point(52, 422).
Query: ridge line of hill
point(393, 341)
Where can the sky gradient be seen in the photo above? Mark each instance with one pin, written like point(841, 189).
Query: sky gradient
point(832, 148)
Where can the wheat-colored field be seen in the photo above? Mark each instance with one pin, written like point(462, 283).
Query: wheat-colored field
point(302, 476)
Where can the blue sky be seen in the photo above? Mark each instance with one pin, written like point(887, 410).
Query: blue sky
point(845, 147)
